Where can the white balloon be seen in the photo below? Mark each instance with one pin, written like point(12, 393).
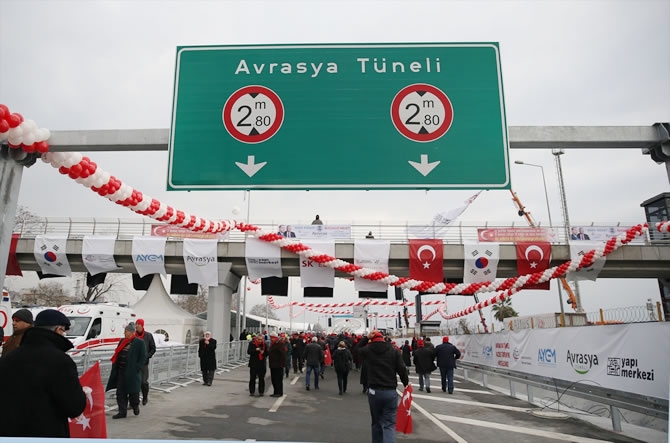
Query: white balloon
point(28, 138)
point(4, 135)
point(16, 132)
point(29, 125)
point(46, 158)
point(15, 139)
point(58, 158)
point(44, 134)
point(71, 158)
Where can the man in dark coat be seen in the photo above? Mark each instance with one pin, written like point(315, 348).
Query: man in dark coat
point(277, 360)
point(127, 362)
point(342, 360)
point(298, 347)
point(383, 362)
point(151, 350)
point(207, 354)
point(313, 360)
point(39, 381)
point(423, 362)
point(446, 355)
point(257, 364)
point(21, 321)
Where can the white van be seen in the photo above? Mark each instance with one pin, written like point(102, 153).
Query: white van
point(97, 326)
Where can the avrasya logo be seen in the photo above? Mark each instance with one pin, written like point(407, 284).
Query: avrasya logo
point(582, 363)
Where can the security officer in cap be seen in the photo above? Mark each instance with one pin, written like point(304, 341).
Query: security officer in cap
point(41, 381)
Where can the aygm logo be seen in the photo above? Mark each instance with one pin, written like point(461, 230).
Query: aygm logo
point(149, 258)
point(487, 352)
point(582, 363)
point(546, 357)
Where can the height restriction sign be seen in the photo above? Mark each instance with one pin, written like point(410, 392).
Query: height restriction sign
point(339, 116)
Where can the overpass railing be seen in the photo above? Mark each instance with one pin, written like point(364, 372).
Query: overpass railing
point(126, 229)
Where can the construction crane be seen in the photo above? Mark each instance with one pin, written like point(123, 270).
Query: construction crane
point(531, 222)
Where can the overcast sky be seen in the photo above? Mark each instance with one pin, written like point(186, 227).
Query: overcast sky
point(110, 65)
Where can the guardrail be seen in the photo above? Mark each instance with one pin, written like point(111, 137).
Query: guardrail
point(456, 233)
point(169, 365)
point(648, 406)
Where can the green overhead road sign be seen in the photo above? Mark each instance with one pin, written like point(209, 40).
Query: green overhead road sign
point(340, 116)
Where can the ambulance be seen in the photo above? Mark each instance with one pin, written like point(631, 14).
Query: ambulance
point(97, 326)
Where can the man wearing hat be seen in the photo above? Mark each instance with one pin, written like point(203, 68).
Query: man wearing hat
point(21, 321)
point(40, 382)
point(446, 355)
point(127, 362)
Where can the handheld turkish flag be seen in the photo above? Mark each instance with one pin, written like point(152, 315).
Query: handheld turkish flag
point(403, 418)
point(426, 260)
point(327, 358)
point(91, 423)
point(531, 258)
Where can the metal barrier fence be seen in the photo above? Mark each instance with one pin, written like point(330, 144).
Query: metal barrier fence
point(125, 229)
point(169, 364)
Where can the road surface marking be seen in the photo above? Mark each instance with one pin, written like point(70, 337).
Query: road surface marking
point(277, 403)
point(435, 421)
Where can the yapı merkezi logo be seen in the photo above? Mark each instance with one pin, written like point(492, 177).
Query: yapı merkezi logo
point(487, 352)
point(546, 357)
point(582, 362)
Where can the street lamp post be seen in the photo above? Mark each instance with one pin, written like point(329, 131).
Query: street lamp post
point(546, 195)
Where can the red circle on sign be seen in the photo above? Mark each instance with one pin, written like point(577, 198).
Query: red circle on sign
point(427, 136)
point(5, 320)
point(251, 90)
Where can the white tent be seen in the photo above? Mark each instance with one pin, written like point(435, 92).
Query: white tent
point(162, 315)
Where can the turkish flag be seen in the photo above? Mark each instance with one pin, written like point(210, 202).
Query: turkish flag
point(327, 359)
point(403, 418)
point(531, 258)
point(13, 267)
point(426, 260)
point(91, 423)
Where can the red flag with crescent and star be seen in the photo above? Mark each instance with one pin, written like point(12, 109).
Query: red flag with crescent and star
point(91, 423)
point(403, 419)
point(531, 258)
point(426, 260)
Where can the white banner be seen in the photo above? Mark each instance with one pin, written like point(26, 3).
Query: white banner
point(577, 251)
point(481, 262)
point(317, 231)
point(200, 261)
point(313, 274)
point(97, 253)
point(263, 259)
point(373, 254)
point(617, 357)
point(600, 233)
point(51, 254)
point(149, 255)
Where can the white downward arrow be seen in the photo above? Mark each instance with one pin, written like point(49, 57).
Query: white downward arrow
point(424, 167)
point(250, 167)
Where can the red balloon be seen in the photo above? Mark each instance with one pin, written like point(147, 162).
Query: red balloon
point(14, 146)
point(4, 111)
point(63, 170)
point(14, 119)
point(29, 148)
point(42, 147)
point(76, 169)
point(4, 126)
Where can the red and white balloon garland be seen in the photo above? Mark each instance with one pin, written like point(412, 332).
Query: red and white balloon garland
point(22, 134)
point(30, 138)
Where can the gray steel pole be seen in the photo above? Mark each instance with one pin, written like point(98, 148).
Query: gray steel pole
point(10, 185)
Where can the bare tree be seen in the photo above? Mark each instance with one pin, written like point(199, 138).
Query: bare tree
point(27, 221)
point(44, 294)
point(463, 324)
point(195, 304)
point(113, 284)
point(260, 310)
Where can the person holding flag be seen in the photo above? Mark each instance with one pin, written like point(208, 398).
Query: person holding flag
point(383, 362)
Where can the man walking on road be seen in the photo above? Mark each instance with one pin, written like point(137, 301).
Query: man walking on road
point(383, 362)
point(313, 359)
point(446, 355)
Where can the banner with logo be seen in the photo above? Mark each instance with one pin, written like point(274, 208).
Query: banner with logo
point(200, 261)
point(91, 423)
point(51, 255)
point(481, 262)
point(313, 274)
point(426, 260)
point(577, 251)
point(342, 232)
point(13, 267)
point(97, 253)
point(531, 258)
point(263, 259)
point(179, 232)
point(517, 235)
point(600, 233)
point(149, 255)
point(613, 356)
point(372, 254)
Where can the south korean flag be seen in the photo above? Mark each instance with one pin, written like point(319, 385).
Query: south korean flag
point(481, 262)
point(50, 254)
